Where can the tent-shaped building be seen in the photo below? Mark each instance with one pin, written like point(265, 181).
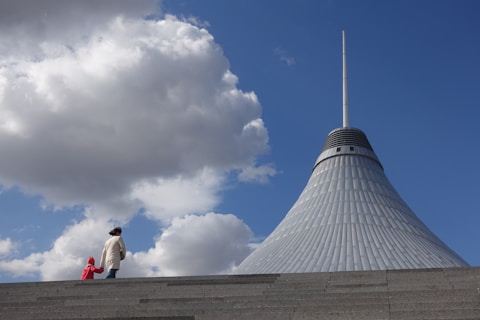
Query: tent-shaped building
point(349, 218)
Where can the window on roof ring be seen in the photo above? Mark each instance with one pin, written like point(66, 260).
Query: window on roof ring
point(352, 148)
point(338, 149)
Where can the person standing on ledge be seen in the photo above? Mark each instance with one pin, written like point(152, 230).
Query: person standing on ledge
point(113, 252)
point(90, 270)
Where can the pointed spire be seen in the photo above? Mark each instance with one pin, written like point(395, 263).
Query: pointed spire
point(349, 217)
point(345, 93)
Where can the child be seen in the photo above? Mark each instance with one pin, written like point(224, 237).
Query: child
point(89, 270)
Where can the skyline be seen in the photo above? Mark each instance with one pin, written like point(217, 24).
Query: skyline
point(208, 116)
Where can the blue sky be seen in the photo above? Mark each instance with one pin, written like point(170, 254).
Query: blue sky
point(101, 145)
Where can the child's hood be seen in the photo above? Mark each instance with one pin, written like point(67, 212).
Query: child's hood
point(91, 260)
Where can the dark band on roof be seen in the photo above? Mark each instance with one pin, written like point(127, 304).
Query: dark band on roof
point(347, 137)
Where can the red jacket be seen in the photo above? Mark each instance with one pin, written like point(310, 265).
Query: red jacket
point(90, 269)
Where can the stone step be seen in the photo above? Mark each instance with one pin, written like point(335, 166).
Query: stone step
point(396, 294)
point(411, 303)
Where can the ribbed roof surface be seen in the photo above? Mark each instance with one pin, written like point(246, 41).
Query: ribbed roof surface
point(348, 218)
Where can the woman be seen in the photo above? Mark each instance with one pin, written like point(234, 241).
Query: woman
point(113, 252)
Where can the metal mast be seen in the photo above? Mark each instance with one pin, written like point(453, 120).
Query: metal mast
point(345, 93)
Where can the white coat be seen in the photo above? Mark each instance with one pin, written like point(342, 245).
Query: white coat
point(111, 253)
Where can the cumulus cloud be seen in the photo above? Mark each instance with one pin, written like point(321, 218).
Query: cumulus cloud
point(191, 245)
point(26, 24)
point(102, 108)
point(140, 99)
point(170, 198)
point(260, 173)
point(6, 247)
point(196, 245)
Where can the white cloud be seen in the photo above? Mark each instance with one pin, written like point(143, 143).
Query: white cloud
point(196, 245)
point(6, 247)
point(192, 245)
point(139, 99)
point(102, 108)
point(165, 199)
point(259, 174)
point(285, 57)
point(26, 24)
point(27, 267)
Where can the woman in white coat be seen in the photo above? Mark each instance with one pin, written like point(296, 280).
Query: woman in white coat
point(113, 252)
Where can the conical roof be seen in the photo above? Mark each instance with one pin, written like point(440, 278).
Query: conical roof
point(348, 218)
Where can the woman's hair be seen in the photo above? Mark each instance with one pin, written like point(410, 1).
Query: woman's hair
point(115, 230)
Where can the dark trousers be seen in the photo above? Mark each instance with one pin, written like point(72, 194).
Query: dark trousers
point(111, 273)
